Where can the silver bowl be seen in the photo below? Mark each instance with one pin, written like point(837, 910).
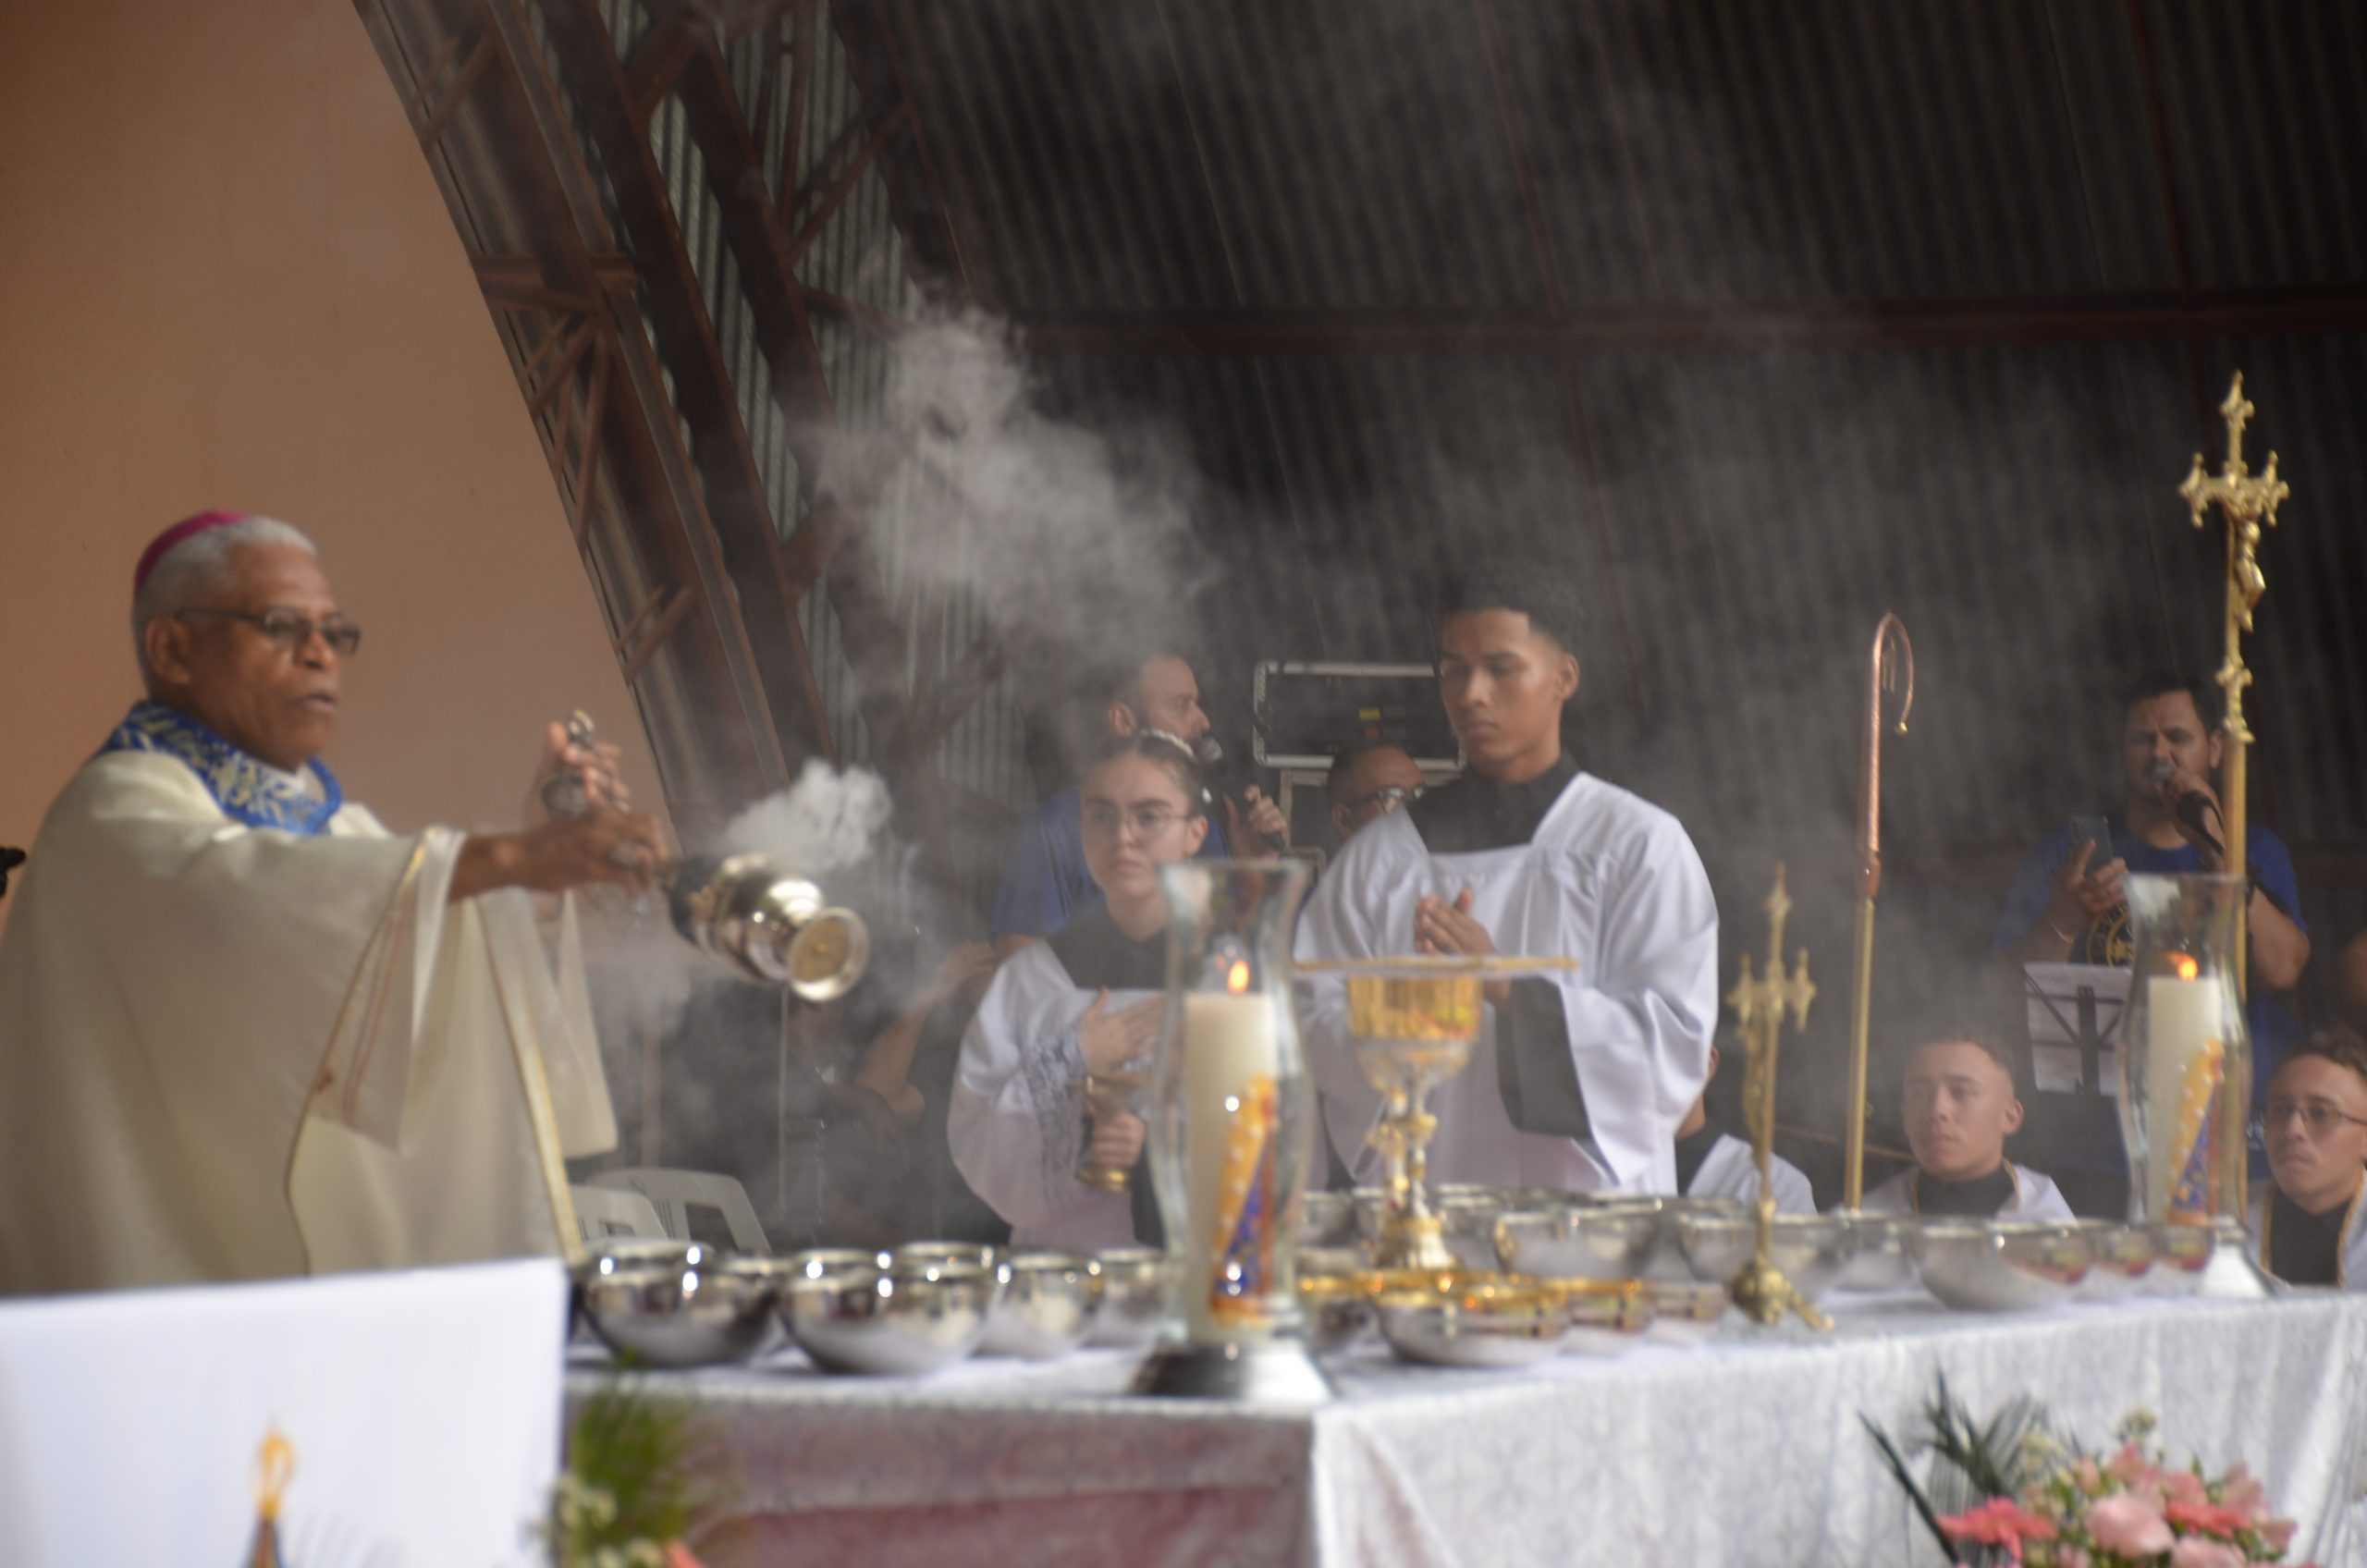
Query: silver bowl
point(1475, 1324)
point(1047, 1308)
point(1879, 1257)
point(2182, 1255)
point(1467, 1226)
point(905, 1317)
point(1133, 1295)
point(985, 1254)
point(2120, 1258)
point(1579, 1241)
point(1811, 1249)
point(1327, 1219)
point(2000, 1265)
point(662, 1315)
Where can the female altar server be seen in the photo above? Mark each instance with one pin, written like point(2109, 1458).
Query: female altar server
point(1087, 999)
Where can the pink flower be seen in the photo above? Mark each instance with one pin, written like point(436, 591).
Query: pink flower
point(2087, 1477)
point(2128, 1525)
point(2205, 1518)
point(2278, 1534)
point(2070, 1557)
point(1999, 1521)
point(2243, 1490)
point(678, 1556)
point(2205, 1554)
point(2130, 1466)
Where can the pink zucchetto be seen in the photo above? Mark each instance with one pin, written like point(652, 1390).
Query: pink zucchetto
point(163, 545)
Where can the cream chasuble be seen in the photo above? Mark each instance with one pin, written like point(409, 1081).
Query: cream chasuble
point(1603, 1063)
point(230, 1052)
point(2348, 1243)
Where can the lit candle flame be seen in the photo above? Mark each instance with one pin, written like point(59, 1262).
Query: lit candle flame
point(2186, 966)
point(1236, 979)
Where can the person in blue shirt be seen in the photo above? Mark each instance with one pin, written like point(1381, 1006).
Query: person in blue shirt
point(2067, 904)
point(1045, 884)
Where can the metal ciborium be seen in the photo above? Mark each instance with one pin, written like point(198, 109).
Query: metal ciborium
point(768, 926)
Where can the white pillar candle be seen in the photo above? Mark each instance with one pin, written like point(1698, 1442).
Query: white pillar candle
point(2183, 1018)
point(1228, 1045)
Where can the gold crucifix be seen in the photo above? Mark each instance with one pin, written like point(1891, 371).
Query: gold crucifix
point(2248, 503)
point(1759, 1004)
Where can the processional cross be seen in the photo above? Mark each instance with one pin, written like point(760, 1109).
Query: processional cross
point(1759, 1003)
point(2246, 502)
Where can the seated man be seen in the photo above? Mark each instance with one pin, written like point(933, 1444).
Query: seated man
point(1580, 1075)
point(1713, 1163)
point(1366, 784)
point(1045, 882)
point(244, 1031)
point(1959, 1108)
point(2310, 1226)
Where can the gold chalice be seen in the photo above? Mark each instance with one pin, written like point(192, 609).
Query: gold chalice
point(1412, 1022)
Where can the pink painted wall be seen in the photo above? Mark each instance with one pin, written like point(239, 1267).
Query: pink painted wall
point(228, 279)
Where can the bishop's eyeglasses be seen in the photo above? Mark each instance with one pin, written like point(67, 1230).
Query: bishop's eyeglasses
point(292, 632)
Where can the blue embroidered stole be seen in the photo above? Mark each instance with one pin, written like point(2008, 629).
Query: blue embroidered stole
point(244, 787)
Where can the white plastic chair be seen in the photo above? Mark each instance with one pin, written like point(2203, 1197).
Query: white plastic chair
point(671, 1194)
point(612, 1212)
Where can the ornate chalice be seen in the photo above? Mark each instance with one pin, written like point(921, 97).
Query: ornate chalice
point(1412, 1022)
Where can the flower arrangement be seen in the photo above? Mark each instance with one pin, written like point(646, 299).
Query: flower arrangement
point(2013, 1493)
point(635, 1485)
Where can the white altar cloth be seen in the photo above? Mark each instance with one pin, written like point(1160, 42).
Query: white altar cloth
point(1743, 1450)
point(422, 1410)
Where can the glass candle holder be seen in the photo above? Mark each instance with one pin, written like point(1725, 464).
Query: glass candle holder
point(1231, 1113)
point(2186, 1065)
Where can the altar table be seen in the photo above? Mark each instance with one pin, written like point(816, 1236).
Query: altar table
point(1741, 1447)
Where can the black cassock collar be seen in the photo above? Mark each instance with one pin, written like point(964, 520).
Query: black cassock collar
point(1472, 813)
point(1099, 956)
point(1980, 1198)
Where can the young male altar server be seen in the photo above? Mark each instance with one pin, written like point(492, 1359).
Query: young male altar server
point(1087, 999)
point(1580, 1077)
point(244, 1031)
point(2310, 1226)
point(1959, 1108)
point(1713, 1163)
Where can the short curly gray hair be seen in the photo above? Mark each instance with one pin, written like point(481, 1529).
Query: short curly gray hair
point(200, 568)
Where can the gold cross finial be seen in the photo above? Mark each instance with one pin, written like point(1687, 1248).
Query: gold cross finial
point(2248, 502)
point(1759, 1002)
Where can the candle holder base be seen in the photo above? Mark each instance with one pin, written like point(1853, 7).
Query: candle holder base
point(2233, 1274)
point(1271, 1372)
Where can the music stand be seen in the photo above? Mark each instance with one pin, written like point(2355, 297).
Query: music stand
point(2073, 1013)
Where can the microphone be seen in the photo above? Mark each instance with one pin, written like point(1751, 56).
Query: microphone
point(1211, 753)
point(2191, 807)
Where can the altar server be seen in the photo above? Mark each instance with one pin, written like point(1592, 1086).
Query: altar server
point(246, 1032)
point(1579, 1078)
point(1087, 999)
point(1713, 1163)
point(2310, 1225)
point(1959, 1108)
